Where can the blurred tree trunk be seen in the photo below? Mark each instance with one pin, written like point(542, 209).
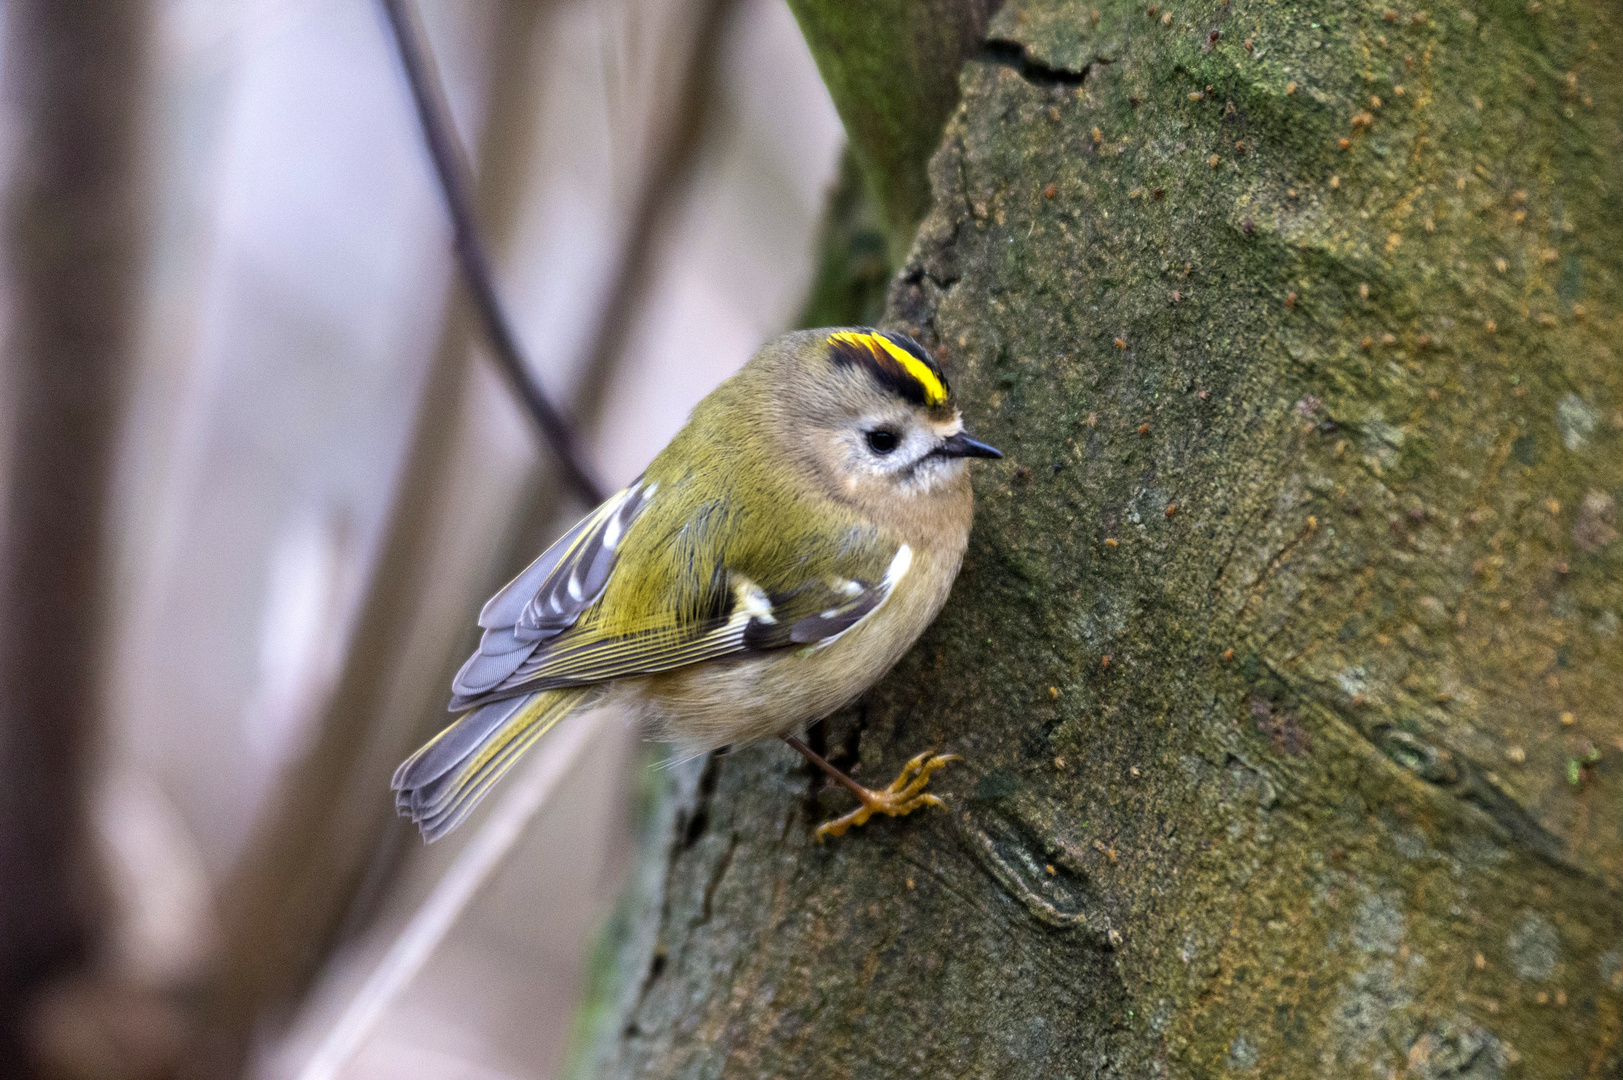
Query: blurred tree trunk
point(1285, 659)
point(74, 79)
point(312, 854)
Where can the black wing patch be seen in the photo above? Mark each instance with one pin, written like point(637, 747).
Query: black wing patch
point(840, 606)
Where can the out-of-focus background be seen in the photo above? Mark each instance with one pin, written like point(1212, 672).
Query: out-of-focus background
point(305, 475)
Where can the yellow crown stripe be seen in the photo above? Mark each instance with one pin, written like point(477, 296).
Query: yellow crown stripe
point(934, 392)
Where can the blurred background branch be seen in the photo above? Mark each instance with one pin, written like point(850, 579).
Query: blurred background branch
point(853, 267)
point(76, 77)
point(287, 899)
point(663, 188)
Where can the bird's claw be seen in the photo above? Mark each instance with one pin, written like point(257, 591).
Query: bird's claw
point(903, 796)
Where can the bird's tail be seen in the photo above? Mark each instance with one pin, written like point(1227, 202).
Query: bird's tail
point(443, 781)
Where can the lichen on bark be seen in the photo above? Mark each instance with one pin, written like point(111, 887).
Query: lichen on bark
point(1285, 659)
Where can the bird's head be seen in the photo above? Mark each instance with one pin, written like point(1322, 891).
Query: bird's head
point(873, 411)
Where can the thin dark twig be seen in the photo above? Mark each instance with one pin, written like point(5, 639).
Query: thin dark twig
point(454, 177)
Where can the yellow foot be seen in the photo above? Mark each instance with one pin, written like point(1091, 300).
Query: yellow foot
point(902, 797)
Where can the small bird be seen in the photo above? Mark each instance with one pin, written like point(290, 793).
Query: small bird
point(778, 557)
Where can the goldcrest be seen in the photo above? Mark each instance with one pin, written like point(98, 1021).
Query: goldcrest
point(778, 557)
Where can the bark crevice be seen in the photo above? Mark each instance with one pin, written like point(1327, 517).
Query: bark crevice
point(1013, 55)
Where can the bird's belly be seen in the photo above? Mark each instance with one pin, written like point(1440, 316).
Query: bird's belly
point(707, 706)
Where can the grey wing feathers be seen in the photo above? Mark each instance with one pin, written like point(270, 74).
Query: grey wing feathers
point(549, 595)
point(453, 745)
point(579, 579)
point(438, 786)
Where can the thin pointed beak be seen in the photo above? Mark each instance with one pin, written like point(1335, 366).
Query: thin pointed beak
point(961, 445)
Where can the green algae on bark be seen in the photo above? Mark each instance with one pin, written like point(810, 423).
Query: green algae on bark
point(1285, 660)
point(891, 68)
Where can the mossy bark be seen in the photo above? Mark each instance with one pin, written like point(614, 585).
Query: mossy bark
point(891, 67)
point(1286, 657)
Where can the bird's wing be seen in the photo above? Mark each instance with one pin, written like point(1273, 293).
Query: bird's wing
point(681, 589)
point(549, 596)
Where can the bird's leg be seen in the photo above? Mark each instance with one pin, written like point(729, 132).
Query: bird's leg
point(903, 796)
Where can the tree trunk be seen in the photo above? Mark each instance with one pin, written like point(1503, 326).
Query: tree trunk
point(1285, 660)
point(891, 67)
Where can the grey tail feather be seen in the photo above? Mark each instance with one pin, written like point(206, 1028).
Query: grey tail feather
point(439, 785)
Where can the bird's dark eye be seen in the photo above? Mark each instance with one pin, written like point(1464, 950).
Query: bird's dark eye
point(881, 441)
